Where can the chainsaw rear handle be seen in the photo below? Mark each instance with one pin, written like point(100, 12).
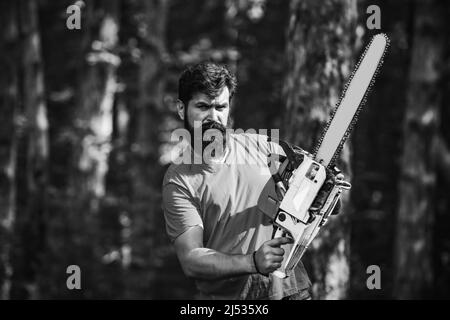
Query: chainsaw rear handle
point(280, 272)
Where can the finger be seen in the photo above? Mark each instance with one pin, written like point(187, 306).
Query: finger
point(277, 251)
point(276, 259)
point(277, 265)
point(278, 241)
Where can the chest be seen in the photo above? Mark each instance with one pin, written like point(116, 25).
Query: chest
point(232, 189)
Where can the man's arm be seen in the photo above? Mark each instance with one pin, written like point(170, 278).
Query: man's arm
point(203, 263)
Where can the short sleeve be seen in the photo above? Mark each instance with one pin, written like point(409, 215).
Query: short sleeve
point(275, 152)
point(180, 212)
point(275, 148)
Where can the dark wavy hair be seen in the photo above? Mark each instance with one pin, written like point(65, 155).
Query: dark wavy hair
point(206, 77)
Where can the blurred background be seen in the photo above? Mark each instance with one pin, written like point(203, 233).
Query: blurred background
point(86, 115)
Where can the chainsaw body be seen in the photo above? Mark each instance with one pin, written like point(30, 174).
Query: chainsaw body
point(309, 187)
point(309, 193)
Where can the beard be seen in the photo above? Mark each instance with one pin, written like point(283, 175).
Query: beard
point(207, 139)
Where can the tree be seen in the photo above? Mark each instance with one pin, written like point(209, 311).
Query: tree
point(145, 101)
point(96, 94)
point(81, 86)
point(320, 49)
point(417, 185)
point(26, 147)
point(376, 145)
point(9, 104)
point(97, 89)
point(257, 31)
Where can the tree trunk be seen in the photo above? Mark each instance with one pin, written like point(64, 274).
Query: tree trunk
point(376, 150)
point(98, 85)
point(9, 104)
point(34, 199)
point(93, 121)
point(320, 52)
point(24, 162)
point(417, 187)
point(145, 128)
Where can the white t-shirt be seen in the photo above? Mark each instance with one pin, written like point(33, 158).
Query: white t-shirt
point(229, 200)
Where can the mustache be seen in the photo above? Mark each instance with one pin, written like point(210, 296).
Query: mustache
point(213, 125)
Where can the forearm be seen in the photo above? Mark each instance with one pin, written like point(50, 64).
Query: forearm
point(204, 263)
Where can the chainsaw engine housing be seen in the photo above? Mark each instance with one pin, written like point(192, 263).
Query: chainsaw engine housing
point(311, 192)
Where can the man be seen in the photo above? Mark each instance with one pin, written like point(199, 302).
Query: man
point(214, 210)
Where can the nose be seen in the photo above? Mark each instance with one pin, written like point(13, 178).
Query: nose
point(213, 114)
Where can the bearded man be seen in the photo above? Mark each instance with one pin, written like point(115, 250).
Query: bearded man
point(214, 209)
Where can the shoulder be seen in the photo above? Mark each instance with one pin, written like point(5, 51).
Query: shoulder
point(175, 186)
point(175, 173)
point(186, 178)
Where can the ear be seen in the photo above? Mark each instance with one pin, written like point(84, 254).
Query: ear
point(180, 109)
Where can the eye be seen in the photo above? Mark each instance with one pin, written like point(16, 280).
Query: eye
point(221, 107)
point(203, 106)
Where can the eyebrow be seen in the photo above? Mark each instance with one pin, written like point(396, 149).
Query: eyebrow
point(202, 103)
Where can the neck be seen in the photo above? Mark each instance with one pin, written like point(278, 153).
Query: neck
point(208, 158)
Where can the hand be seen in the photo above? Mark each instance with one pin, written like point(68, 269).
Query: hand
point(269, 256)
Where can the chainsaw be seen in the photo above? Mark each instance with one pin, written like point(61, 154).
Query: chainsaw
point(309, 186)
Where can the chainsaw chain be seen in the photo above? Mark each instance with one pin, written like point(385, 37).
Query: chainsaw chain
point(355, 116)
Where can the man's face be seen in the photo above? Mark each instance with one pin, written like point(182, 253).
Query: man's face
point(204, 109)
point(208, 113)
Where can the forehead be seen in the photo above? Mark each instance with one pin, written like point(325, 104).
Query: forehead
point(221, 98)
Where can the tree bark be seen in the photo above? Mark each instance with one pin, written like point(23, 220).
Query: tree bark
point(98, 85)
point(321, 38)
point(37, 150)
point(25, 160)
point(9, 104)
point(92, 221)
point(148, 110)
point(413, 267)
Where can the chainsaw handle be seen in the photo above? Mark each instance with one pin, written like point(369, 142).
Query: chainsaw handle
point(278, 233)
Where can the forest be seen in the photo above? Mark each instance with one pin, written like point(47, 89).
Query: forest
point(87, 107)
